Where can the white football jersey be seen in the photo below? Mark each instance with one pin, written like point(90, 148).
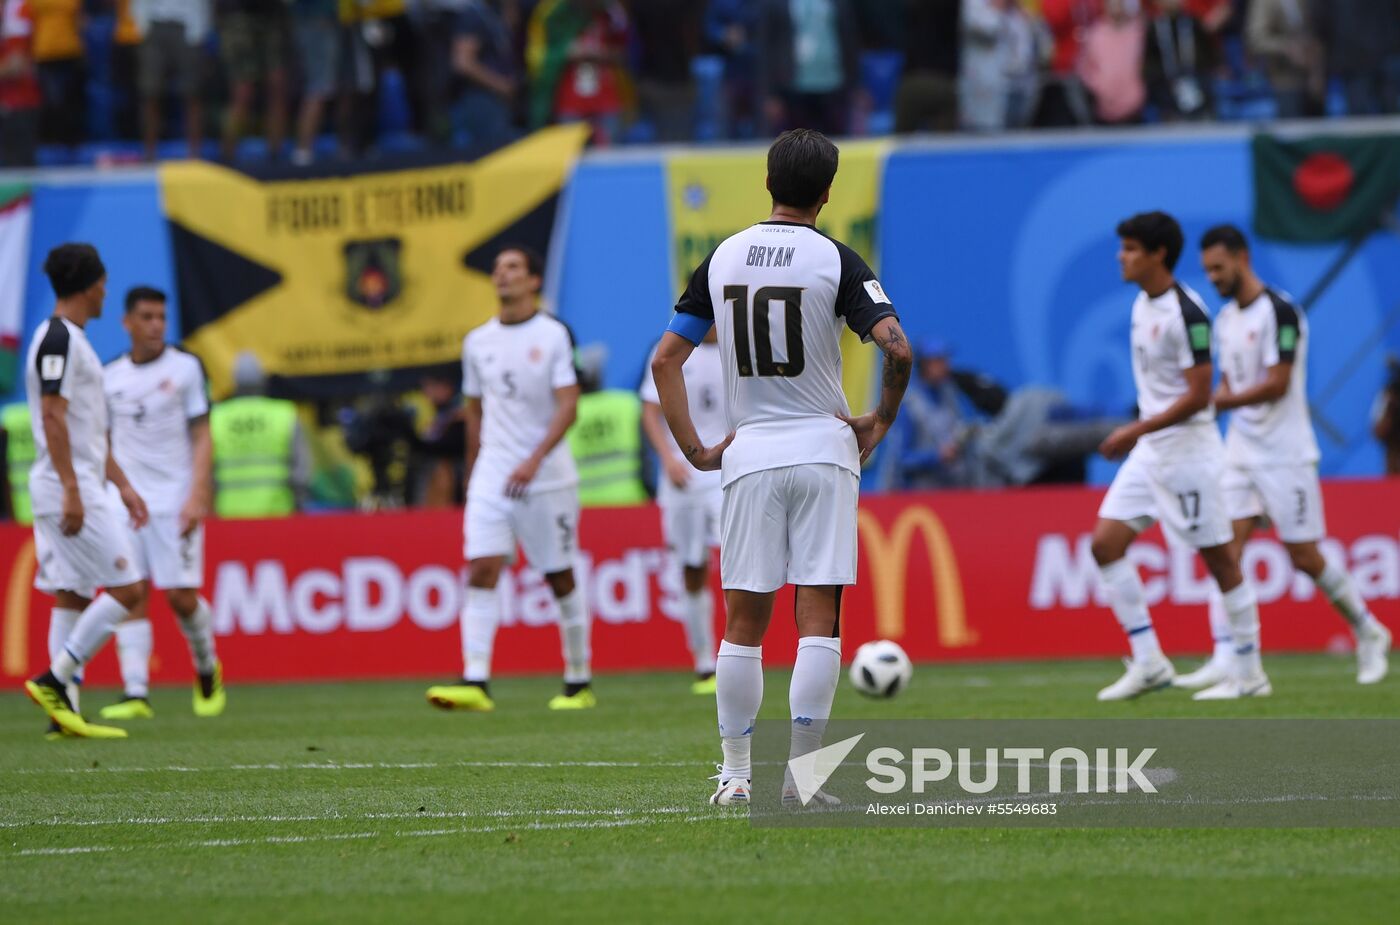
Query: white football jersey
point(1170, 335)
point(151, 406)
point(779, 294)
point(514, 370)
point(1249, 340)
point(62, 362)
point(704, 388)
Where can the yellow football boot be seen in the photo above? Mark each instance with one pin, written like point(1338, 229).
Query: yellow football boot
point(704, 687)
point(209, 696)
point(128, 709)
point(471, 697)
point(580, 700)
point(50, 697)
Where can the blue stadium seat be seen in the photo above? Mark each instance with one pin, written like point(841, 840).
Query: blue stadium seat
point(879, 75)
point(394, 114)
point(708, 71)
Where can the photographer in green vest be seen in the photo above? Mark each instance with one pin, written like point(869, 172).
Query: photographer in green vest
point(19, 456)
point(261, 462)
point(606, 438)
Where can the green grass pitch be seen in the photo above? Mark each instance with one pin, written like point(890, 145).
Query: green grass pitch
point(359, 803)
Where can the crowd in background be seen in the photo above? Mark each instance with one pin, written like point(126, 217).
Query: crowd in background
point(301, 80)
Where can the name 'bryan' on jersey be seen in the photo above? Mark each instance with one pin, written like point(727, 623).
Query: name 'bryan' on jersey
point(778, 294)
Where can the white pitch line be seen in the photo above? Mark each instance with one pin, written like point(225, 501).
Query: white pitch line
point(335, 817)
point(636, 819)
point(357, 766)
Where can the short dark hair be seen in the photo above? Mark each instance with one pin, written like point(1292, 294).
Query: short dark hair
point(142, 294)
point(1229, 236)
point(533, 261)
point(1155, 231)
point(801, 165)
point(73, 268)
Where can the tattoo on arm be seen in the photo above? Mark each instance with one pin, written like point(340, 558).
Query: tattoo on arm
point(692, 450)
point(897, 366)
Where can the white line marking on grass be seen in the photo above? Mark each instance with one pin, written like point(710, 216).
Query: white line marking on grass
point(337, 817)
point(360, 766)
point(628, 818)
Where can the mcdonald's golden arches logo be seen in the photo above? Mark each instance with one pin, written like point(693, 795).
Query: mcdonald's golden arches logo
point(887, 555)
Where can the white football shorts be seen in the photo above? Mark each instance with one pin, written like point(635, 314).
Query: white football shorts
point(1289, 497)
point(545, 525)
point(793, 525)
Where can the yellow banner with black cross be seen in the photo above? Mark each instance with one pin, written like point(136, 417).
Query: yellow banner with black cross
point(358, 273)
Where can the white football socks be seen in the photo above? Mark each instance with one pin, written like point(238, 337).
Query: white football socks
point(199, 636)
point(815, 675)
point(1242, 610)
point(480, 615)
point(90, 633)
point(1128, 600)
point(1346, 600)
point(61, 623)
point(738, 695)
point(575, 628)
point(134, 644)
point(699, 608)
point(1220, 634)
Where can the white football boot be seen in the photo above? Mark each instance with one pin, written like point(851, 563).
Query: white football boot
point(1140, 678)
point(1372, 650)
point(1237, 688)
point(1208, 675)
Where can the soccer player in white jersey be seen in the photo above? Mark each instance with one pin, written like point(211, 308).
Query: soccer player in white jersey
point(158, 404)
point(1174, 467)
point(1271, 451)
point(78, 534)
point(691, 500)
point(778, 294)
point(522, 395)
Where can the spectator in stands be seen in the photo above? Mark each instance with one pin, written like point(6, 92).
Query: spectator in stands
point(1181, 56)
point(262, 465)
point(998, 65)
point(171, 59)
point(123, 70)
point(1279, 37)
point(924, 448)
point(1111, 62)
point(316, 29)
point(19, 86)
point(812, 58)
point(731, 30)
point(1385, 417)
point(434, 27)
point(62, 70)
point(927, 99)
point(440, 449)
point(668, 39)
point(255, 38)
point(1360, 42)
point(1063, 98)
point(483, 59)
point(575, 52)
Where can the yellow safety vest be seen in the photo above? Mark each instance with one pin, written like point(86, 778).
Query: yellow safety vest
point(253, 439)
point(606, 441)
point(21, 454)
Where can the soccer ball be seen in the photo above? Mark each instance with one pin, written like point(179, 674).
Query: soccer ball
point(880, 669)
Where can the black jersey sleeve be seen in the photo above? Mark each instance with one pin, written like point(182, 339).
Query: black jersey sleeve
point(695, 312)
point(1196, 347)
point(860, 299)
point(51, 360)
point(1289, 329)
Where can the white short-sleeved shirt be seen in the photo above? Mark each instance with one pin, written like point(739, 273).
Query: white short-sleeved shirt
point(151, 406)
point(704, 388)
point(779, 294)
point(514, 370)
point(1170, 334)
point(1251, 339)
point(61, 362)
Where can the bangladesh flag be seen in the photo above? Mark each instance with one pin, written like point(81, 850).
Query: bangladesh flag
point(14, 267)
point(1324, 189)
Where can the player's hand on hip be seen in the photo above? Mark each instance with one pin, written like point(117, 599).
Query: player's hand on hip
point(677, 471)
point(870, 429)
point(1119, 443)
point(709, 458)
point(520, 479)
point(136, 507)
point(71, 520)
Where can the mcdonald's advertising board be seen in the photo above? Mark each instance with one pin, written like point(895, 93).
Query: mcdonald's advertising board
point(961, 576)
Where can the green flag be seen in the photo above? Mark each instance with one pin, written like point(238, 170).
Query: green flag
point(1325, 188)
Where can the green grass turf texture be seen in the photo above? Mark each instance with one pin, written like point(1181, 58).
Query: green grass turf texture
point(359, 803)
